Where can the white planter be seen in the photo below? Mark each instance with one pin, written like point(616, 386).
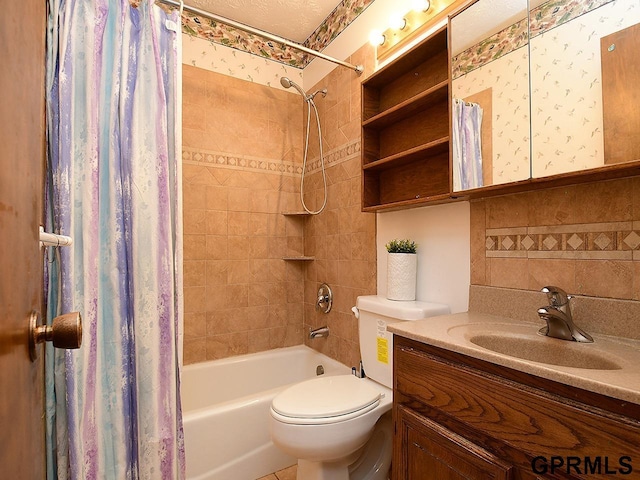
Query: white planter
point(401, 276)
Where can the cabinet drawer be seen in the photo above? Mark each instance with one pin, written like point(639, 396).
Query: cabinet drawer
point(529, 420)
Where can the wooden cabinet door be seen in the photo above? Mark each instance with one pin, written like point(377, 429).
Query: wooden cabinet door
point(431, 452)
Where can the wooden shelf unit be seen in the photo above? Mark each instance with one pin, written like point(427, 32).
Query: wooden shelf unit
point(405, 129)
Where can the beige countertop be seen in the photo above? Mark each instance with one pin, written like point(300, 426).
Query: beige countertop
point(609, 366)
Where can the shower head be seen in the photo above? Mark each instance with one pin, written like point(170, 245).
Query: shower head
point(287, 83)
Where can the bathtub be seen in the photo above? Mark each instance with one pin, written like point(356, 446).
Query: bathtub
point(226, 404)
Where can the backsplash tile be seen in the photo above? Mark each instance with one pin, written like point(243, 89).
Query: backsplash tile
point(595, 315)
point(583, 238)
point(596, 241)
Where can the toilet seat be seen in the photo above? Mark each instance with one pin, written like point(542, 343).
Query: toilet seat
point(325, 400)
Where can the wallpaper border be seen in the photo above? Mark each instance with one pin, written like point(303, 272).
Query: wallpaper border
point(543, 18)
point(339, 19)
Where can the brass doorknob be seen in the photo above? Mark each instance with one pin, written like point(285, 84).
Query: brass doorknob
point(65, 332)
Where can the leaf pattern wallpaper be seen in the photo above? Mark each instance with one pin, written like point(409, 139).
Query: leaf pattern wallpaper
point(566, 88)
point(566, 96)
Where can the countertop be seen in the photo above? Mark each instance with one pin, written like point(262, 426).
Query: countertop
point(455, 332)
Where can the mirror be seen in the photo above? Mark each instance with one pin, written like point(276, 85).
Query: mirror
point(490, 94)
point(585, 84)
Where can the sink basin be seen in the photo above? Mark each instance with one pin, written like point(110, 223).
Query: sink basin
point(544, 350)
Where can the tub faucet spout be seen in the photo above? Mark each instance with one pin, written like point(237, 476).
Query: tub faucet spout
point(558, 317)
point(319, 332)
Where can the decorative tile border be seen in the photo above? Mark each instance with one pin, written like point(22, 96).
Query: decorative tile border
point(543, 18)
point(336, 156)
point(339, 19)
point(596, 241)
point(242, 162)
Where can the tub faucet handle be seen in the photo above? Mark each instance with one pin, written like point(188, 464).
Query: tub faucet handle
point(325, 298)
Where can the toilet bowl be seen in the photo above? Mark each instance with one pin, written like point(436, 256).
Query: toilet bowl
point(339, 427)
point(327, 421)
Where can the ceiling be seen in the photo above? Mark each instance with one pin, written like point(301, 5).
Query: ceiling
point(292, 19)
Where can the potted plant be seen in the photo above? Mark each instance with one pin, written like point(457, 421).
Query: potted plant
point(401, 269)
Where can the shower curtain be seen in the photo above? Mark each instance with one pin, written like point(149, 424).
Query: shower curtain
point(113, 184)
point(467, 145)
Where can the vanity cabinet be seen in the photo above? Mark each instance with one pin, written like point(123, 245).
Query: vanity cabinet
point(405, 129)
point(460, 417)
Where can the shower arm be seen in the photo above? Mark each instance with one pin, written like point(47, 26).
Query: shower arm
point(246, 28)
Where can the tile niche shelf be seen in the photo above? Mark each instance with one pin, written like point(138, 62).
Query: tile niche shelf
point(405, 129)
point(298, 258)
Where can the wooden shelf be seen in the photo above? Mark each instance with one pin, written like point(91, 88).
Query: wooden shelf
point(423, 100)
point(296, 214)
point(428, 149)
point(299, 259)
point(416, 202)
point(405, 129)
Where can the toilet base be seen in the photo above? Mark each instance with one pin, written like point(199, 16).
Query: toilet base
point(308, 470)
point(371, 462)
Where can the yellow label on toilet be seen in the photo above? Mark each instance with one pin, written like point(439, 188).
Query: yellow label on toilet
point(383, 350)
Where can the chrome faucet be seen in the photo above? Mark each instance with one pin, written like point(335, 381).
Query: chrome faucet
point(558, 317)
point(319, 332)
point(325, 298)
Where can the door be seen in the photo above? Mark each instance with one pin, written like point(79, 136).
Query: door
point(620, 95)
point(22, 52)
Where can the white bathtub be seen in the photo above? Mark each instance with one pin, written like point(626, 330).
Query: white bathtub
point(226, 411)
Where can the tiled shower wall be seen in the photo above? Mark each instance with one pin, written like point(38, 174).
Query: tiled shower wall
point(241, 153)
point(242, 158)
point(342, 238)
point(582, 238)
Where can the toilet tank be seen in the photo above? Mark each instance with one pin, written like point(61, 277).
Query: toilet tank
point(376, 343)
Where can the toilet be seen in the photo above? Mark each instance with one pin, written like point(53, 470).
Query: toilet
point(339, 427)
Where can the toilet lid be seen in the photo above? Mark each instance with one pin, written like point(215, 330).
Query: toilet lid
point(324, 397)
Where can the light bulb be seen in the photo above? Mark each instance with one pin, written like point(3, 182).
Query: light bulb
point(376, 38)
point(397, 21)
point(420, 5)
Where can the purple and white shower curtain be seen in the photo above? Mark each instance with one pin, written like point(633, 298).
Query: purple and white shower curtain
point(466, 127)
point(114, 185)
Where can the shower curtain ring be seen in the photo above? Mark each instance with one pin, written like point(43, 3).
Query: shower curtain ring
point(181, 8)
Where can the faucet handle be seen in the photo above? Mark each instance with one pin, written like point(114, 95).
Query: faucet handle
point(556, 296)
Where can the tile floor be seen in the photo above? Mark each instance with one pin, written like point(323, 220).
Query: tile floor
point(288, 473)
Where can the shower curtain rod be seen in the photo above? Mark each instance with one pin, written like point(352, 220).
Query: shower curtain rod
point(246, 28)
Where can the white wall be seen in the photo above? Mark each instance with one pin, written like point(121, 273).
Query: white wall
point(442, 233)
